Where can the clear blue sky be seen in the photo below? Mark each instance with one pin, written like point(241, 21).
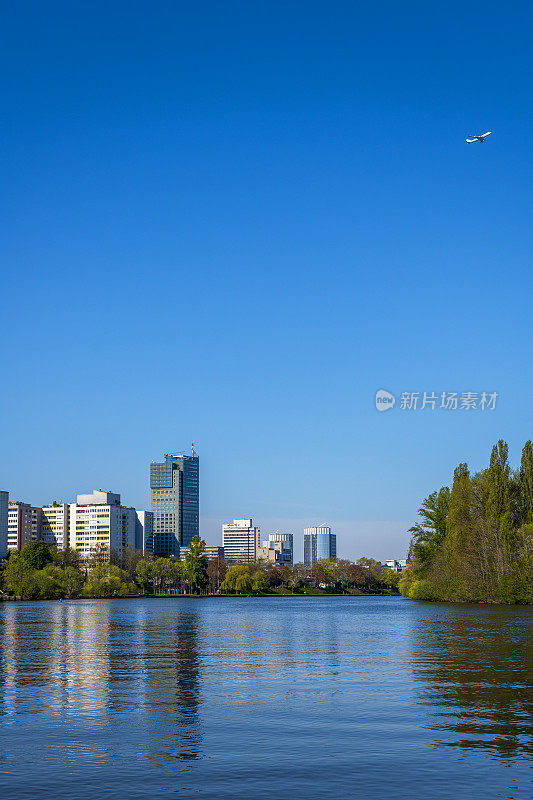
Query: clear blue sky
point(233, 222)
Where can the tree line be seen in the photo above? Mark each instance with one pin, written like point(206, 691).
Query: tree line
point(474, 542)
point(41, 572)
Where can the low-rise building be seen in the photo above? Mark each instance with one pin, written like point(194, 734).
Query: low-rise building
point(278, 549)
point(214, 551)
point(396, 565)
point(240, 540)
point(23, 525)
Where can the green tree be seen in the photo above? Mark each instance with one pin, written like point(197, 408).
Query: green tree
point(237, 579)
point(259, 581)
point(195, 565)
point(36, 554)
point(143, 573)
point(324, 571)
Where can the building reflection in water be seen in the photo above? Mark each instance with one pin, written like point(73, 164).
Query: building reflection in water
point(474, 669)
point(173, 686)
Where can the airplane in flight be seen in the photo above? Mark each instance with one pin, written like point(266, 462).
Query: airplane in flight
point(481, 138)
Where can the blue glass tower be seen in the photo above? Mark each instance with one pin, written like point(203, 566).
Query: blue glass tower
point(174, 485)
point(319, 543)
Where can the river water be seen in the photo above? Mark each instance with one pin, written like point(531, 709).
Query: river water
point(340, 697)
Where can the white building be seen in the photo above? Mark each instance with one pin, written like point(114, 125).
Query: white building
point(55, 525)
point(395, 565)
point(99, 520)
point(144, 531)
point(23, 525)
point(4, 503)
point(240, 540)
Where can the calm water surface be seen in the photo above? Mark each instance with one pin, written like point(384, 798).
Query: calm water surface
point(369, 697)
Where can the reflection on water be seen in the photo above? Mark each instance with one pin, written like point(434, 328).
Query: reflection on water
point(475, 668)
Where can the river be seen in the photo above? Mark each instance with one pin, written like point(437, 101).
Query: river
point(252, 698)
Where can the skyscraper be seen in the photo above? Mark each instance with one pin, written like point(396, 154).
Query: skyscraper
point(319, 543)
point(174, 485)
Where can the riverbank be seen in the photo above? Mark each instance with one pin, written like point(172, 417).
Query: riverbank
point(277, 592)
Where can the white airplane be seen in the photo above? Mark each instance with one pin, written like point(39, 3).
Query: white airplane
point(481, 138)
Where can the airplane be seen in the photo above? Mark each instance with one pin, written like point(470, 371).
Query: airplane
point(481, 138)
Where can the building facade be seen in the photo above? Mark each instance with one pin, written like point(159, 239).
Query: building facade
point(279, 549)
point(4, 505)
point(98, 522)
point(144, 531)
point(319, 544)
point(214, 551)
point(23, 525)
point(55, 525)
point(175, 493)
point(240, 540)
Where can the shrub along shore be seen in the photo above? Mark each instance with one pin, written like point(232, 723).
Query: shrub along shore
point(39, 572)
point(474, 542)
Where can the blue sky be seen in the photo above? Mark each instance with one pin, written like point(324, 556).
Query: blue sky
point(233, 222)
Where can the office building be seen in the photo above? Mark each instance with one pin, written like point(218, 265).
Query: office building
point(214, 551)
point(319, 544)
point(23, 525)
point(240, 540)
point(278, 549)
point(4, 505)
point(99, 521)
point(174, 485)
point(144, 531)
point(55, 525)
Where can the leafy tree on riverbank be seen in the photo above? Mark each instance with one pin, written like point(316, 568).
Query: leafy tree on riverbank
point(475, 542)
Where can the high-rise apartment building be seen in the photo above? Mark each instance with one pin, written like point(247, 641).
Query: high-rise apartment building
point(55, 525)
point(278, 548)
point(319, 544)
point(240, 540)
point(4, 504)
point(174, 485)
point(99, 521)
point(23, 525)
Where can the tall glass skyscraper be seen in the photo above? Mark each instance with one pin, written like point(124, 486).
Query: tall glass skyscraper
point(174, 485)
point(319, 543)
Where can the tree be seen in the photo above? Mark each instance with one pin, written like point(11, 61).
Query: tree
point(196, 565)
point(324, 571)
point(143, 573)
point(237, 579)
point(259, 581)
point(216, 572)
point(36, 554)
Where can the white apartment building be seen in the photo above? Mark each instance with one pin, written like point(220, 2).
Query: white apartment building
point(23, 525)
point(240, 540)
point(98, 519)
point(4, 503)
point(55, 525)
